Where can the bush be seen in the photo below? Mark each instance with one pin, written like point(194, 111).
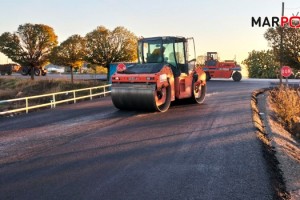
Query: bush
point(287, 106)
point(262, 64)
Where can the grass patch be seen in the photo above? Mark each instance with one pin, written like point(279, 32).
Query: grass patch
point(287, 107)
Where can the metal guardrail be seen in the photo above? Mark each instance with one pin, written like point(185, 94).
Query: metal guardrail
point(53, 101)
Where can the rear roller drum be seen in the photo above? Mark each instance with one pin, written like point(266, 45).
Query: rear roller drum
point(208, 77)
point(163, 99)
point(199, 92)
point(236, 76)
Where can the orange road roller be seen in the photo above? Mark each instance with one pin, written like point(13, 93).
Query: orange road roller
point(166, 71)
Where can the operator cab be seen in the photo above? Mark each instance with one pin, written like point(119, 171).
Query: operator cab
point(211, 59)
point(179, 52)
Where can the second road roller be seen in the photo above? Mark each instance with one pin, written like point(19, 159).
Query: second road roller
point(166, 70)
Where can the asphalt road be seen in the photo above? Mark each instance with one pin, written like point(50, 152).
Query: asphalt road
point(91, 150)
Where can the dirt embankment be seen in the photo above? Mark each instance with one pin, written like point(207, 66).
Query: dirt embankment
point(281, 148)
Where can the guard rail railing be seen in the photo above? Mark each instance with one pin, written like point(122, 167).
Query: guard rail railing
point(65, 96)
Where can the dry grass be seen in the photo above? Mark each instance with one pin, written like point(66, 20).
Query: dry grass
point(287, 107)
point(15, 88)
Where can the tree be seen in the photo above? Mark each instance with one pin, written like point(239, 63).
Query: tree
point(262, 64)
point(93, 67)
point(29, 46)
point(290, 47)
point(104, 46)
point(69, 53)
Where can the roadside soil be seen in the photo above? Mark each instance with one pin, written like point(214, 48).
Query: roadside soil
point(285, 146)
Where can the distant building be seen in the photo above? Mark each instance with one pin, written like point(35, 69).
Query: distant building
point(4, 59)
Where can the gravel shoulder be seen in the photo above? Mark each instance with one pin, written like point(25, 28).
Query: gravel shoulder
point(286, 147)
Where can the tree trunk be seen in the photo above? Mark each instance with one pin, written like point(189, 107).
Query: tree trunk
point(108, 72)
point(72, 80)
point(32, 72)
point(95, 70)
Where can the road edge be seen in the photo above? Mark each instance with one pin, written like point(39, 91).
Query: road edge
point(269, 153)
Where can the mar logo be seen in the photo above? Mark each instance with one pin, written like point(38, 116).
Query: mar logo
point(293, 22)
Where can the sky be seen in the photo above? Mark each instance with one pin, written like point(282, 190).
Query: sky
point(216, 25)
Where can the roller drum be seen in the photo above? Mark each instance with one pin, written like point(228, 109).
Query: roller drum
point(126, 96)
point(133, 96)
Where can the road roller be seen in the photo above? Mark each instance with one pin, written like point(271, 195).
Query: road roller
point(166, 71)
point(221, 69)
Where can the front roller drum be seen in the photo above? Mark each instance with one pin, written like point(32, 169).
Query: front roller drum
point(141, 97)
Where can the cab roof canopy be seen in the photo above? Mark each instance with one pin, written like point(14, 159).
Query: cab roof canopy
point(165, 38)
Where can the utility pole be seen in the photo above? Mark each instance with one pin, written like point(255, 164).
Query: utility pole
point(281, 47)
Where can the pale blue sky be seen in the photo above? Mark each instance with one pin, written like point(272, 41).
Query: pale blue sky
point(216, 25)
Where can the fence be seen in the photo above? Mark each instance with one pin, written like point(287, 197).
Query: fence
point(69, 96)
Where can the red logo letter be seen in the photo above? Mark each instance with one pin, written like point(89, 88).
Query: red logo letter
point(284, 20)
point(295, 22)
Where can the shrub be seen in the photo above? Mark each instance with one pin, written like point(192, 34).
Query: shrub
point(262, 64)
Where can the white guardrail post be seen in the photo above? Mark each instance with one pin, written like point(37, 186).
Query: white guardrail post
point(53, 101)
point(26, 104)
point(74, 96)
